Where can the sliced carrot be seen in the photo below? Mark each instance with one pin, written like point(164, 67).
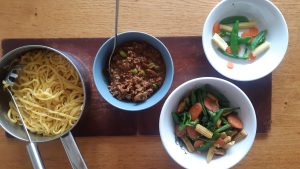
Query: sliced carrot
point(211, 104)
point(220, 142)
point(228, 50)
point(235, 122)
point(195, 111)
point(253, 31)
point(230, 65)
point(198, 143)
point(180, 133)
point(245, 34)
point(252, 57)
point(216, 28)
point(191, 132)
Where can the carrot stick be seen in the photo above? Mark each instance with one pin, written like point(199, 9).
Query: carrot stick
point(216, 28)
point(230, 65)
point(235, 122)
point(180, 133)
point(253, 31)
point(191, 132)
point(195, 111)
point(198, 143)
point(211, 104)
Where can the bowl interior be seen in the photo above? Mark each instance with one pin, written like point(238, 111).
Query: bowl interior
point(100, 66)
point(194, 160)
point(267, 16)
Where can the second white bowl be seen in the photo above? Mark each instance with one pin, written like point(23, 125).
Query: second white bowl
point(267, 16)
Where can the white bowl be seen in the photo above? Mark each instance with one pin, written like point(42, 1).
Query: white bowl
point(267, 16)
point(233, 155)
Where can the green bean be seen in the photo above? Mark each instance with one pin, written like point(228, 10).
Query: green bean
point(234, 38)
point(212, 114)
point(259, 39)
point(224, 33)
point(220, 112)
point(176, 118)
point(224, 120)
point(246, 53)
point(193, 98)
point(245, 40)
point(223, 128)
point(207, 145)
point(233, 19)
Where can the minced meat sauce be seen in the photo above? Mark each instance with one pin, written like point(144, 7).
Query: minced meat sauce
point(137, 71)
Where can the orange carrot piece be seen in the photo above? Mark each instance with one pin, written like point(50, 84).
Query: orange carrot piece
point(230, 65)
point(235, 122)
point(220, 142)
point(211, 104)
point(198, 143)
point(245, 34)
point(253, 31)
point(180, 133)
point(216, 28)
point(252, 57)
point(228, 50)
point(195, 111)
point(191, 132)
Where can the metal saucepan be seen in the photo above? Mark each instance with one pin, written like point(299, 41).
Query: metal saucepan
point(17, 131)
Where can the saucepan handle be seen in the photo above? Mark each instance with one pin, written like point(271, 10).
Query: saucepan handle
point(73, 153)
point(35, 156)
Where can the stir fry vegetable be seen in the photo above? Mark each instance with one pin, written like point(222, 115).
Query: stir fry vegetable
point(230, 39)
point(204, 121)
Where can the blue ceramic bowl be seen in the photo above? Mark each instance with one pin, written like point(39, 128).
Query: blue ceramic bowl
point(102, 59)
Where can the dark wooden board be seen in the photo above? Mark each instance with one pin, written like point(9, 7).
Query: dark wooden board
point(189, 62)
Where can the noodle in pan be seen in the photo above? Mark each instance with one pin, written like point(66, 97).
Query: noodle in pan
point(49, 93)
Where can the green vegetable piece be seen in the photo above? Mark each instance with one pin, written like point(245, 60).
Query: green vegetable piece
point(154, 86)
point(224, 33)
point(210, 126)
point(245, 40)
point(212, 114)
point(152, 65)
point(201, 93)
point(224, 120)
point(141, 72)
point(259, 39)
point(208, 144)
point(176, 119)
point(134, 71)
point(123, 54)
point(193, 98)
point(246, 53)
point(223, 128)
point(220, 112)
point(234, 38)
point(233, 19)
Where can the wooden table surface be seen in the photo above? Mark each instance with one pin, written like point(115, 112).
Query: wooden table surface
point(90, 18)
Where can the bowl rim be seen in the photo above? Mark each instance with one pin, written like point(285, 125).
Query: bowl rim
point(163, 93)
point(285, 47)
point(165, 113)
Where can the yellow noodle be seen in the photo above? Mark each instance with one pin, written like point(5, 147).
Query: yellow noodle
point(48, 92)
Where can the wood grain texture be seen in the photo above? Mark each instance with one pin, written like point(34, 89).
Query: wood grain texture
point(62, 18)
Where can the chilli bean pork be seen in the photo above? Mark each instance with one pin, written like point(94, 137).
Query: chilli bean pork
point(137, 71)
